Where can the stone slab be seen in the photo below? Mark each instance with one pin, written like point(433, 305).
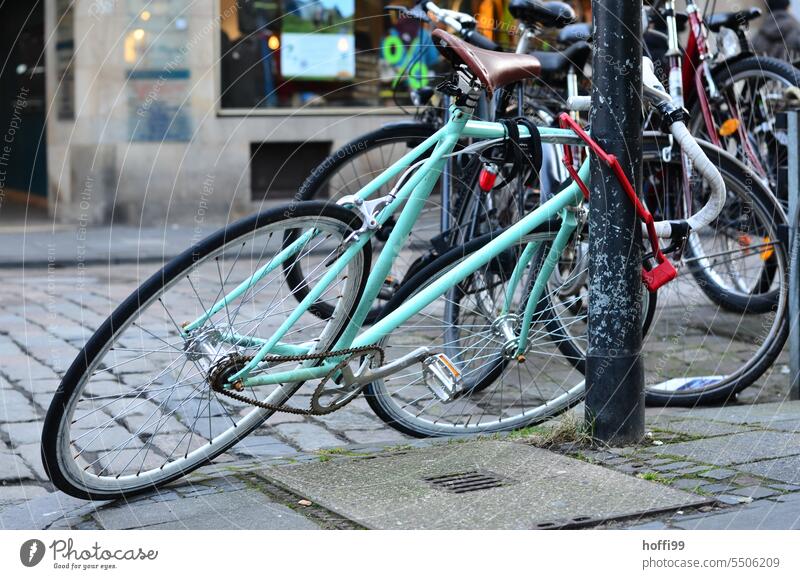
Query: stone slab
point(244, 509)
point(544, 489)
point(696, 427)
point(734, 449)
point(758, 414)
point(786, 470)
point(760, 515)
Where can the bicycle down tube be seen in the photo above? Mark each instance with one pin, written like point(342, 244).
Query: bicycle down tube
point(414, 194)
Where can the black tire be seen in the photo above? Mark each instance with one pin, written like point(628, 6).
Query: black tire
point(403, 135)
point(760, 69)
point(759, 302)
point(152, 290)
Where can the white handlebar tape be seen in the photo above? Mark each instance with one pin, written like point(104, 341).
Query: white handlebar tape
point(703, 165)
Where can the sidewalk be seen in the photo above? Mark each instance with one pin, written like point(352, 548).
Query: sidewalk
point(60, 246)
point(716, 468)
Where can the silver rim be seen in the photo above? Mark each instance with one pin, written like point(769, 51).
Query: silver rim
point(123, 430)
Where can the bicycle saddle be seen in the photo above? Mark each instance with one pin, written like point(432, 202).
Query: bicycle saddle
point(492, 69)
point(580, 31)
point(559, 62)
point(546, 14)
point(732, 20)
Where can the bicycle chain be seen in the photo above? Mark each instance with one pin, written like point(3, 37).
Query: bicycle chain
point(321, 410)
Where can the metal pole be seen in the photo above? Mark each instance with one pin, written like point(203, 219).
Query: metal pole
point(794, 250)
point(614, 371)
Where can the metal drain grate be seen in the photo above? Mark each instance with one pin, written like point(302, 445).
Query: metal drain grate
point(467, 482)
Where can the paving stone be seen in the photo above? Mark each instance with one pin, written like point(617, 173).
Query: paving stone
point(754, 492)
point(692, 469)
point(376, 436)
point(14, 494)
point(784, 425)
point(785, 488)
point(43, 511)
point(671, 466)
point(734, 449)
point(760, 414)
point(759, 515)
point(717, 488)
point(31, 454)
point(744, 480)
point(14, 407)
point(263, 446)
point(347, 419)
point(688, 484)
point(13, 468)
point(390, 491)
point(660, 461)
point(731, 499)
point(786, 470)
point(27, 369)
point(719, 474)
point(697, 427)
point(23, 432)
point(246, 509)
point(308, 436)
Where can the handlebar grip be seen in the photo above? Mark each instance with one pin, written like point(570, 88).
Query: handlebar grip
point(477, 39)
point(579, 103)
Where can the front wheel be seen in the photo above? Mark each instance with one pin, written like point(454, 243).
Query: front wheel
point(138, 408)
point(496, 391)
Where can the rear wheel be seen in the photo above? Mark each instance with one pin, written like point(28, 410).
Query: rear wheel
point(748, 116)
point(137, 408)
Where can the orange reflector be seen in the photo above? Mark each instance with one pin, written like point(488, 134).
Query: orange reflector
point(767, 251)
point(729, 127)
point(449, 365)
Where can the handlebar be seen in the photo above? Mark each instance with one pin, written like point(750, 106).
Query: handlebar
point(653, 92)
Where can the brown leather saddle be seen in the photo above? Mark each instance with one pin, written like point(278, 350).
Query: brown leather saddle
point(492, 69)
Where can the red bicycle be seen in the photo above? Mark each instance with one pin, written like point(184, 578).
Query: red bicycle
point(735, 97)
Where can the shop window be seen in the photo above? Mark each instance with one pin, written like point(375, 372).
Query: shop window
point(307, 54)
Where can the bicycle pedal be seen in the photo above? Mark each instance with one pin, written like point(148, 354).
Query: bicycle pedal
point(441, 377)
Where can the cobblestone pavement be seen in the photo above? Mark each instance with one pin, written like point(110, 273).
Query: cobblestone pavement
point(43, 324)
point(46, 315)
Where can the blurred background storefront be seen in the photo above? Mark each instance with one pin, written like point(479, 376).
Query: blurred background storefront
point(167, 111)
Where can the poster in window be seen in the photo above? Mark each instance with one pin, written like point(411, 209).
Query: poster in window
point(318, 40)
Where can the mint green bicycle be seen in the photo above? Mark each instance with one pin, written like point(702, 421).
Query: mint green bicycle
point(210, 347)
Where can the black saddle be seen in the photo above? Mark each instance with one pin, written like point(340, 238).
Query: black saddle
point(546, 14)
point(732, 20)
point(578, 32)
point(556, 63)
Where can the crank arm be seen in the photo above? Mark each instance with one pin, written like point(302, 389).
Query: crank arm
point(365, 375)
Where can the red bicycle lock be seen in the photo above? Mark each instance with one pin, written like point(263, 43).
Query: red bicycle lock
point(664, 272)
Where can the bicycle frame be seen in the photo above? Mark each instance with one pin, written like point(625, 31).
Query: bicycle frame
point(690, 77)
point(411, 196)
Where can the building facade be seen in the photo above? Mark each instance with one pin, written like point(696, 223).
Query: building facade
point(170, 111)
